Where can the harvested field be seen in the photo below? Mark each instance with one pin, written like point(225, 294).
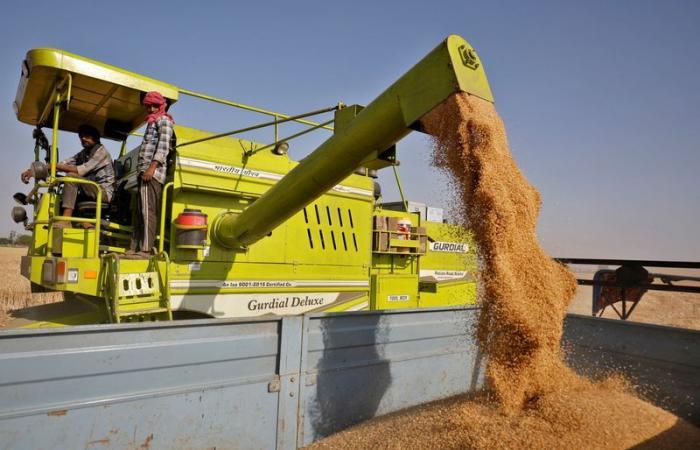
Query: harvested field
point(15, 290)
point(672, 309)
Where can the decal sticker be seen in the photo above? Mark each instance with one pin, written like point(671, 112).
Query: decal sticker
point(72, 276)
point(449, 247)
point(249, 305)
point(247, 284)
point(251, 173)
point(442, 275)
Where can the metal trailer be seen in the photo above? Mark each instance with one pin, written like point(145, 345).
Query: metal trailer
point(283, 383)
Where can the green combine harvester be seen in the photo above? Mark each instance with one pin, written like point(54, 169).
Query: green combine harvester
point(244, 230)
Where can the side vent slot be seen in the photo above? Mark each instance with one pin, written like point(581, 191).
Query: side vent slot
point(340, 217)
point(328, 213)
point(341, 238)
point(311, 240)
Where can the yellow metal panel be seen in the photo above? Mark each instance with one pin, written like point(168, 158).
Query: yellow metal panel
point(84, 285)
point(470, 75)
point(358, 304)
point(404, 243)
point(448, 294)
point(98, 92)
point(394, 292)
point(40, 235)
point(449, 261)
point(74, 242)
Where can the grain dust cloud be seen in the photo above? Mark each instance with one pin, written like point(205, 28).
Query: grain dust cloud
point(531, 398)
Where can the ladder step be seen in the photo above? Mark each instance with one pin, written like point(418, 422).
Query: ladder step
point(139, 312)
point(128, 300)
point(137, 291)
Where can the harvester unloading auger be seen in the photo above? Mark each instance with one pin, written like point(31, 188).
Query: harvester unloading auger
point(244, 230)
point(452, 67)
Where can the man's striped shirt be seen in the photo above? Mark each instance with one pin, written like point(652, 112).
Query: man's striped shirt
point(95, 164)
point(158, 141)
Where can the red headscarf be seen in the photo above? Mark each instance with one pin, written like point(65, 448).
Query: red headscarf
point(156, 99)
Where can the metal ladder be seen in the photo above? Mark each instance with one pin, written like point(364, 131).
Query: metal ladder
point(137, 296)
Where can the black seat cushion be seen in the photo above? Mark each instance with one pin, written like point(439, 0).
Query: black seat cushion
point(90, 206)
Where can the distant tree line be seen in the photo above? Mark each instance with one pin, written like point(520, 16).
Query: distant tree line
point(22, 240)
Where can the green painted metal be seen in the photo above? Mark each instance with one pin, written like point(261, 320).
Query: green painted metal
point(97, 221)
point(163, 213)
point(129, 296)
point(400, 186)
point(52, 163)
point(318, 235)
point(98, 92)
point(394, 291)
point(291, 136)
point(274, 114)
point(262, 125)
point(449, 68)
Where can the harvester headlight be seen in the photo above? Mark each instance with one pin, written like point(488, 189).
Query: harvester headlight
point(20, 197)
point(19, 214)
point(40, 170)
point(281, 148)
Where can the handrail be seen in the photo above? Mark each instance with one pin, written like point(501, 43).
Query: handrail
point(63, 93)
point(98, 212)
point(274, 114)
point(288, 138)
point(164, 198)
point(60, 92)
point(166, 279)
point(400, 186)
point(261, 125)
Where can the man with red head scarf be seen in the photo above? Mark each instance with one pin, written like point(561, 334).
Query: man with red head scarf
point(158, 142)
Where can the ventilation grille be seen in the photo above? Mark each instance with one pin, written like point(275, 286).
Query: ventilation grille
point(330, 228)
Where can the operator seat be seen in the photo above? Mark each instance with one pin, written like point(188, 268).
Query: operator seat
point(89, 209)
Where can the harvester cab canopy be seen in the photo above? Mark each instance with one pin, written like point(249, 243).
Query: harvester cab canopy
point(104, 96)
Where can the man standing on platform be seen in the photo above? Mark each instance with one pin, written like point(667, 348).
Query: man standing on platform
point(158, 142)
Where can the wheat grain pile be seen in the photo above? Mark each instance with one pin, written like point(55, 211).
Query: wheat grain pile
point(532, 399)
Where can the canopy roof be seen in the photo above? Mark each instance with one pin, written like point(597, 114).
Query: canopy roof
point(104, 96)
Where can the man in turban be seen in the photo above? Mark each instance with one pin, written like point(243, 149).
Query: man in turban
point(158, 142)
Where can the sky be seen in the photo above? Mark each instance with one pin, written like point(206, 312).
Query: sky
point(600, 98)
